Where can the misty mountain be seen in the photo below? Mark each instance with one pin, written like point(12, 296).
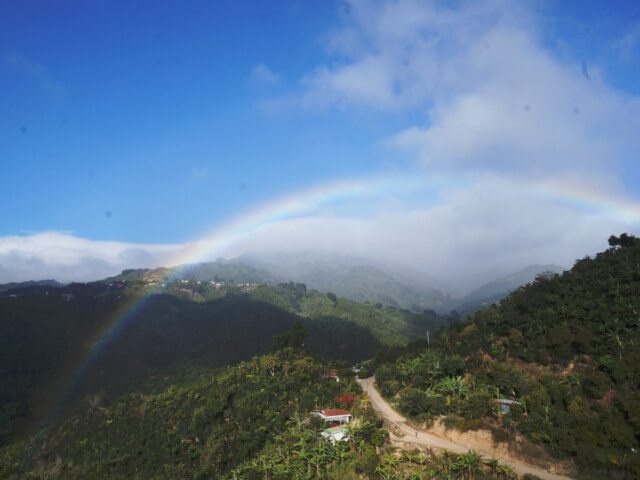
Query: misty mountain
point(360, 279)
point(357, 278)
point(229, 270)
point(499, 288)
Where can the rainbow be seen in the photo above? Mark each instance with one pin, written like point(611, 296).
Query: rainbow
point(307, 202)
point(287, 207)
point(585, 197)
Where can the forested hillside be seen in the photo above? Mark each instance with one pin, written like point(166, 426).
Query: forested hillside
point(199, 428)
point(496, 290)
point(565, 348)
point(358, 279)
point(561, 353)
point(250, 421)
point(47, 333)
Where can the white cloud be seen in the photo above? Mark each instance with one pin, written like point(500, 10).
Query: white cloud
point(66, 258)
point(629, 42)
point(200, 172)
point(262, 76)
point(526, 113)
point(37, 72)
point(399, 55)
point(493, 98)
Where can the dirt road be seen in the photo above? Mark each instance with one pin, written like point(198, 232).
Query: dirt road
point(404, 431)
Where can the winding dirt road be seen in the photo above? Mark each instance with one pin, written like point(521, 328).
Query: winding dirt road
point(404, 431)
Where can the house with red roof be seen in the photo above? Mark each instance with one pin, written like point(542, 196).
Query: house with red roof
point(334, 416)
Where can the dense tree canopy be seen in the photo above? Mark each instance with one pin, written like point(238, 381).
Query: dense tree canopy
point(564, 347)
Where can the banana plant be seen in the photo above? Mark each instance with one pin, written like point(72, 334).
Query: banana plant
point(492, 463)
point(469, 464)
point(454, 386)
point(505, 472)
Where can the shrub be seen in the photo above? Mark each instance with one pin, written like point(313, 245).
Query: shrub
point(479, 404)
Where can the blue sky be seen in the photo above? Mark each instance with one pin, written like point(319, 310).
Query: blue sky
point(146, 128)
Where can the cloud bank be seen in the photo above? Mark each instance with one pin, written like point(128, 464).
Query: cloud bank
point(67, 258)
point(493, 98)
point(472, 236)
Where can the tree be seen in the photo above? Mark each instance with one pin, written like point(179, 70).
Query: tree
point(624, 240)
point(297, 336)
point(293, 339)
point(332, 296)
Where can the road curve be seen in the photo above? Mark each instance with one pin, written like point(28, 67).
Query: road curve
point(416, 435)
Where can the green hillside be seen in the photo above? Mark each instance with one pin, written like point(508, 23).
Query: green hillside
point(368, 283)
point(47, 333)
point(564, 347)
point(496, 290)
point(356, 278)
point(204, 428)
point(158, 402)
point(251, 421)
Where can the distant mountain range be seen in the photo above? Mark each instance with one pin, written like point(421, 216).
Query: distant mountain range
point(356, 278)
point(362, 280)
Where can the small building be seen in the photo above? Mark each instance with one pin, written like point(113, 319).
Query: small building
point(335, 416)
point(67, 297)
point(505, 404)
point(336, 434)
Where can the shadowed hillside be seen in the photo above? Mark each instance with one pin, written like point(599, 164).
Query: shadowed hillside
point(49, 333)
